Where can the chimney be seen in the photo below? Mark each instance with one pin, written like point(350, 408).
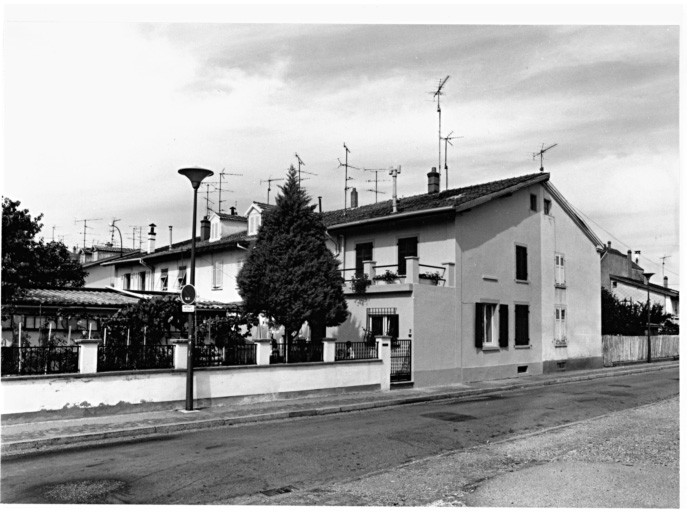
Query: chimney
point(665, 282)
point(629, 263)
point(433, 179)
point(319, 200)
point(232, 210)
point(151, 239)
point(354, 198)
point(608, 246)
point(394, 174)
point(204, 229)
point(170, 238)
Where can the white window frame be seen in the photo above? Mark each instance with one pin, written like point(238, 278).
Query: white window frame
point(254, 223)
point(560, 329)
point(217, 273)
point(181, 275)
point(559, 266)
point(490, 324)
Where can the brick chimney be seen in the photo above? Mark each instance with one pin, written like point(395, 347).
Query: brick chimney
point(433, 180)
point(151, 239)
point(354, 198)
point(204, 229)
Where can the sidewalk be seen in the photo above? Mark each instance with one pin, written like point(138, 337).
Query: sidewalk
point(29, 437)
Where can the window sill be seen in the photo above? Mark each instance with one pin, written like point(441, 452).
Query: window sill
point(486, 348)
point(559, 285)
point(217, 289)
point(560, 344)
point(522, 281)
point(522, 346)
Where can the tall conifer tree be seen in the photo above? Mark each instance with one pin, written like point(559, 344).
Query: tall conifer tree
point(290, 275)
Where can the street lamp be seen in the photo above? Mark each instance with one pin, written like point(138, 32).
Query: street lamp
point(195, 176)
point(121, 243)
point(648, 275)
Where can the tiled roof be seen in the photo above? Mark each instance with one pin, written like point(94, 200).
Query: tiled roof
point(76, 297)
point(264, 206)
point(448, 198)
point(226, 216)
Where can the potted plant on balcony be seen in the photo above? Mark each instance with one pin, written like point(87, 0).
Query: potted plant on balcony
point(359, 283)
point(387, 277)
point(432, 277)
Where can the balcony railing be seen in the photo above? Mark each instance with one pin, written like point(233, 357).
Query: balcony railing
point(39, 360)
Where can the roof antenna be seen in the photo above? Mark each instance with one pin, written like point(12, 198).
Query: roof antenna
point(541, 155)
point(447, 141)
point(222, 173)
point(345, 177)
point(301, 162)
point(269, 185)
point(207, 199)
point(376, 190)
point(437, 95)
point(85, 228)
point(663, 264)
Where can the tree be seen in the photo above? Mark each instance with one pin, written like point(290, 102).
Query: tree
point(290, 276)
point(627, 318)
point(31, 263)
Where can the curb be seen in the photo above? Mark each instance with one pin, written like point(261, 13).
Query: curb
point(69, 439)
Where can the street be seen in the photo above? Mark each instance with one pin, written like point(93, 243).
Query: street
point(246, 464)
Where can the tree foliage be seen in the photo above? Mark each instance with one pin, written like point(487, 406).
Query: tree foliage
point(28, 262)
point(290, 276)
point(627, 318)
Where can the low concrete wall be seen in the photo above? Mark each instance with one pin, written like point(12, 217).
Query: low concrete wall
point(75, 393)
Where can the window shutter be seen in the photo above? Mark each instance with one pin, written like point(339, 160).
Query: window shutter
point(503, 326)
point(479, 328)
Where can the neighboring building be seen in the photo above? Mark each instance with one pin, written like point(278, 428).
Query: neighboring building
point(521, 279)
point(99, 253)
point(625, 278)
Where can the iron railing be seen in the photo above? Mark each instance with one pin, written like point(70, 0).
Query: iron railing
point(298, 352)
point(401, 360)
point(356, 350)
point(230, 355)
point(112, 358)
point(39, 360)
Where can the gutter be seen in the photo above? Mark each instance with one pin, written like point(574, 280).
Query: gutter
point(393, 217)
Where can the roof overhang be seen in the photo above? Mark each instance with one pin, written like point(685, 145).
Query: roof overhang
point(656, 288)
point(567, 208)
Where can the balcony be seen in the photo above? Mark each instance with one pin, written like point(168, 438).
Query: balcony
point(386, 278)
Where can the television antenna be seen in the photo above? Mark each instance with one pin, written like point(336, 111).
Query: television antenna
point(437, 94)
point(85, 227)
point(301, 162)
point(207, 198)
point(221, 175)
point(663, 264)
point(376, 180)
point(447, 141)
point(345, 165)
point(269, 185)
point(541, 155)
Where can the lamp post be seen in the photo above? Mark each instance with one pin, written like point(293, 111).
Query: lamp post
point(121, 244)
point(648, 275)
point(195, 176)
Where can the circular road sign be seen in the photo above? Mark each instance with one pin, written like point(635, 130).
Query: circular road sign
point(188, 294)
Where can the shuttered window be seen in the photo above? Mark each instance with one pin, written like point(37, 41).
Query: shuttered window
point(164, 279)
point(363, 252)
point(520, 263)
point(503, 326)
point(560, 269)
point(485, 325)
point(217, 273)
point(406, 247)
point(560, 329)
point(181, 277)
point(522, 324)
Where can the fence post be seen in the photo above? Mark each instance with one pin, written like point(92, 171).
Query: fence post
point(329, 350)
point(88, 356)
point(263, 350)
point(384, 353)
point(180, 354)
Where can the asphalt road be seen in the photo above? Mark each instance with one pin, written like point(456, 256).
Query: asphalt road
point(219, 465)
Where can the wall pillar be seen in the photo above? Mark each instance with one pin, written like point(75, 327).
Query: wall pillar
point(369, 269)
point(384, 353)
point(412, 269)
point(329, 350)
point(263, 350)
point(180, 354)
point(88, 356)
point(450, 274)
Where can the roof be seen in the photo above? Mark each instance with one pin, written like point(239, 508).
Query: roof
point(616, 252)
point(226, 216)
point(656, 288)
point(457, 199)
point(101, 297)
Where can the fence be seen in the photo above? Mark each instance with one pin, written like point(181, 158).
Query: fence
point(113, 358)
point(39, 360)
point(230, 355)
point(358, 350)
point(629, 349)
point(297, 353)
point(401, 361)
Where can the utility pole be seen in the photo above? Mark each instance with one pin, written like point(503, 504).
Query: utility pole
point(437, 95)
point(447, 141)
point(541, 155)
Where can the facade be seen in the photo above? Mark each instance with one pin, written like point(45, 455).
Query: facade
point(519, 279)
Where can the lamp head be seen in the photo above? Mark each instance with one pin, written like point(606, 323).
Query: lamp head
point(195, 175)
point(648, 275)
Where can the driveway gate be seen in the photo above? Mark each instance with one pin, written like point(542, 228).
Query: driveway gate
point(400, 360)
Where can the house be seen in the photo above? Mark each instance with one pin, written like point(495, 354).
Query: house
point(625, 278)
point(518, 279)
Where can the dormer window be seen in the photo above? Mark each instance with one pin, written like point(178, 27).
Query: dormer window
point(215, 229)
point(254, 223)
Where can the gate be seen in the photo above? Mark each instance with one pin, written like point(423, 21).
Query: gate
point(400, 360)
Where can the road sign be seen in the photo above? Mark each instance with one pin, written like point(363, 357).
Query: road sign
point(188, 308)
point(188, 294)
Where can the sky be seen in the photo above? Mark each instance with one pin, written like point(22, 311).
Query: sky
point(102, 106)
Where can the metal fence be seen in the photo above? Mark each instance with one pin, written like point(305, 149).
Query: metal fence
point(231, 355)
point(630, 349)
point(112, 358)
point(401, 360)
point(356, 350)
point(39, 360)
point(297, 353)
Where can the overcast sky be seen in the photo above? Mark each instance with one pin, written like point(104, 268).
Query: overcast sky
point(100, 111)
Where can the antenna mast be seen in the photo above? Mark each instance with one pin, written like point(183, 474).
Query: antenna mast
point(269, 185)
point(85, 228)
point(207, 199)
point(437, 95)
point(541, 155)
point(447, 141)
point(376, 180)
point(222, 173)
point(345, 177)
point(663, 265)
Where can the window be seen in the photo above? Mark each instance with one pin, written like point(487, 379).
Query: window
point(142, 281)
point(164, 278)
point(533, 202)
point(522, 325)
point(560, 329)
point(383, 323)
point(560, 269)
point(406, 247)
point(254, 222)
point(547, 206)
point(520, 263)
point(181, 277)
point(485, 325)
point(363, 252)
point(217, 275)
point(126, 281)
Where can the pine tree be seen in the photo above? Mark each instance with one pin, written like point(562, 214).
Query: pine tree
point(290, 276)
